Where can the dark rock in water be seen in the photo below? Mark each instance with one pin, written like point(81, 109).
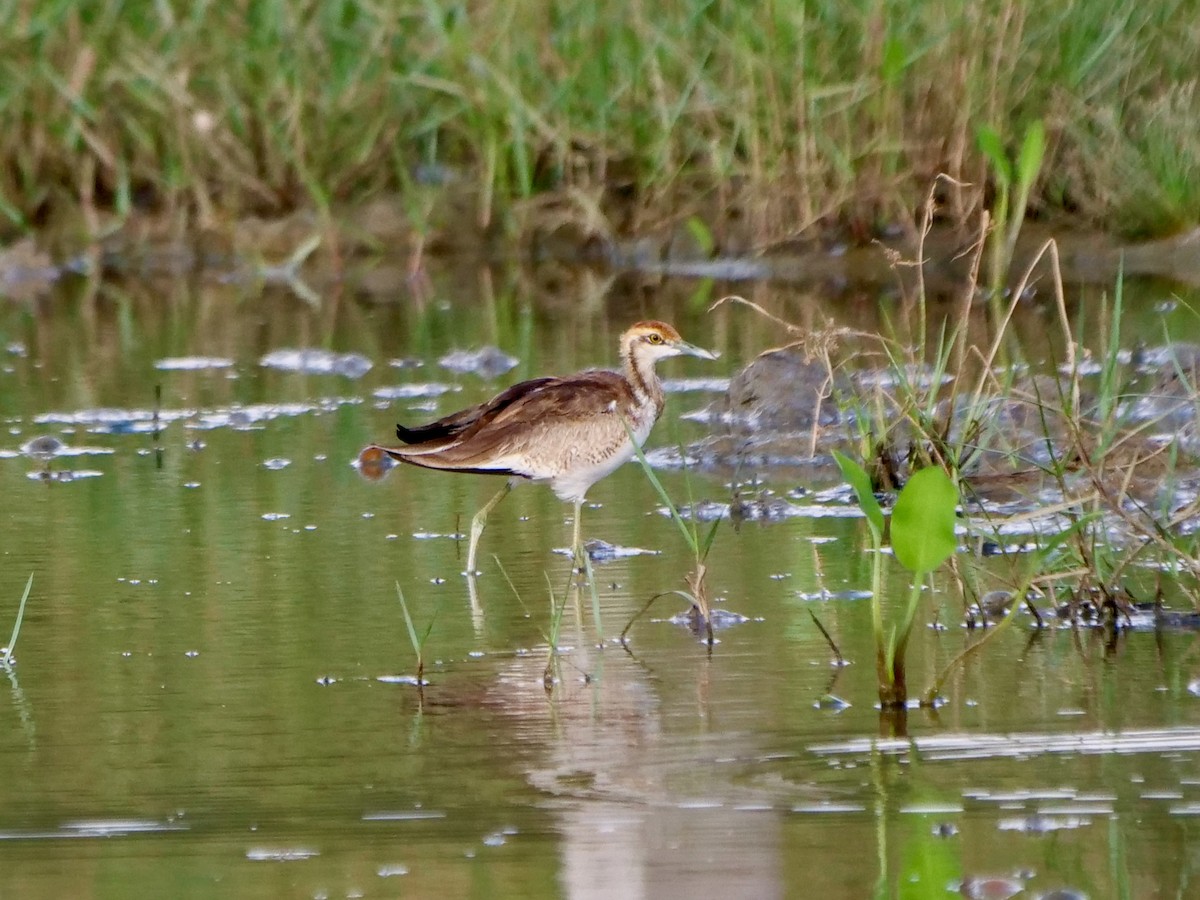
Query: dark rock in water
point(781, 390)
point(772, 412)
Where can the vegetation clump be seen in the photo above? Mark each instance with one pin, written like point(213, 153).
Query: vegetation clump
point(608, 115)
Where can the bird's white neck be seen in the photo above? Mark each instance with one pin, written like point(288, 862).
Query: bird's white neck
point(643, 378)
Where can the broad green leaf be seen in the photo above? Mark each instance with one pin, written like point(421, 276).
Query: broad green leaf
point(701, 297)
point(861, 482)
point(993, 148)
point(701, 234)
point(923, 521)
point(894, 60)
point(1033, 150)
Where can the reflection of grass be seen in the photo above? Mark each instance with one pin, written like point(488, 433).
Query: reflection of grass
point(7, 655)
point(551, 674)
point(823, 112)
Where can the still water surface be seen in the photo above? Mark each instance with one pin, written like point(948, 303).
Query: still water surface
point(213, 693)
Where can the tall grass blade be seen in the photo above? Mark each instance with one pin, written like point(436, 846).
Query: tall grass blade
point(860, 481)
point(412, 630)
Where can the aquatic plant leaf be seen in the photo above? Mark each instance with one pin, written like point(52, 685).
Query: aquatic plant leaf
point(860, 481)
point(923, 520)
point(993, 148)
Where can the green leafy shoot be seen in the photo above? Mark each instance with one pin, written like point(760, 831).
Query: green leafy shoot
point(418, 642)
point(860, 481)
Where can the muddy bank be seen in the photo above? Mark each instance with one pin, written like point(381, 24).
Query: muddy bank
point(376, 248)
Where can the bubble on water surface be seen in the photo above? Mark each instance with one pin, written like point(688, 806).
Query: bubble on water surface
point(720, 618)
point(280, 854)
point(406, 363)
point(1039, 824)
point(192, 363)
point(828, 806)
point(63, 477)
point(691, 385)
point(112, 420)
point(312, 361)
point(413, 391)
point(990, 888)
point(487, 362)
point(832, 703)
point(276, 462)
point(833, 595)
point(400, 679)
point(112, 827)
point(600, 551)
point(392, 870)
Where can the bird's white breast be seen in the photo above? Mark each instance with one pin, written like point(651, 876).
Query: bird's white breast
point(602, 458)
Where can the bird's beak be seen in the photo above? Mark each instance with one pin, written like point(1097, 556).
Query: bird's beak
point(692, 350)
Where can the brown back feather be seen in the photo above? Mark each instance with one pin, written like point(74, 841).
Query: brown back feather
point(446, 429)
point(542, 410)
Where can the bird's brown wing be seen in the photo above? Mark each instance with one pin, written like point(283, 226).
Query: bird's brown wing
point(445, 430)
point(538, 420)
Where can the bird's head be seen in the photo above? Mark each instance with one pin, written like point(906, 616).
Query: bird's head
point(653, 341)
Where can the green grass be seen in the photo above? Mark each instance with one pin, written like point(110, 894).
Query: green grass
point(795, 113)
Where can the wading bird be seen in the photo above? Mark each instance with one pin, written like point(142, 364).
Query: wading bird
point(569, 431)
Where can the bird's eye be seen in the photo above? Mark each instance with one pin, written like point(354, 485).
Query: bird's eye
point(654, 338)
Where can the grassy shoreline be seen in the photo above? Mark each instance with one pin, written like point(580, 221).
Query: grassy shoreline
point(616, 115)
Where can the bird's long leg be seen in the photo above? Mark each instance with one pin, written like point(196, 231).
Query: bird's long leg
point(479, 521)
point(576, 544)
